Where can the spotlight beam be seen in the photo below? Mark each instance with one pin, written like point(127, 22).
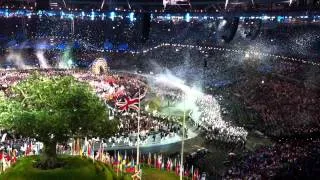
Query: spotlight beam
point(64, 3)
point(129, 6)
point(102, 4)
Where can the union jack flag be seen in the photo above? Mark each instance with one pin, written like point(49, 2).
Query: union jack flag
point(129, 103)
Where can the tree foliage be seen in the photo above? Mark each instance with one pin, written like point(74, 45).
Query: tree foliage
point(54, 109)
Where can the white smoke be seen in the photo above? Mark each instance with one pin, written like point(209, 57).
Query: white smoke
point(205, 109)
point(43, 62)
point(16, 58)
point(63, 64)
point(190, 93)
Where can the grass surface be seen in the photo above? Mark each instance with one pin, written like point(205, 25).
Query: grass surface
point(155, 174)
point(76, 168)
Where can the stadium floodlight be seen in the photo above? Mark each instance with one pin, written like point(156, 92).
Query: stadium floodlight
point(175, 3)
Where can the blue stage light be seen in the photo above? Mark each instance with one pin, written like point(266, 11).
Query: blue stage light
point(62, 14)
point(280, 18)
point(131, 16)
point(92, 16)
point(112, 15)
point(188, 17)
point(6, 13)
point(168, 17)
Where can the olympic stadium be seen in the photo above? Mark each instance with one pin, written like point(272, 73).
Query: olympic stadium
point(161, 89)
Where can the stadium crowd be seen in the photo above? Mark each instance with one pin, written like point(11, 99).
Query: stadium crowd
point(286, 107)
point(286, 159)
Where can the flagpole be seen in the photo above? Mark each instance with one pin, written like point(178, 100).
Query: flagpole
point(138, 136)
point(182, 142)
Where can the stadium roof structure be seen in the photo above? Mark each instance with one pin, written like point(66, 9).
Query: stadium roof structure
point(176, 5)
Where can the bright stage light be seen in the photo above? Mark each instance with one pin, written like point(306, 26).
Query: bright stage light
point(222, 24)
point(62, 14)
point(131, 16)
point(168, 17)
point(188, 17)
point(112, 15)
point(92, 16)
point(6, 14)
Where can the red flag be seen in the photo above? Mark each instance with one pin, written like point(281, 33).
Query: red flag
point(177, 169)
point(88, 150)
point(29, 149)
point(195, 175)
point(8, 158)
point(168, 165)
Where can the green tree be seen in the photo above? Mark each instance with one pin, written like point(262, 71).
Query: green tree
point(53, 110)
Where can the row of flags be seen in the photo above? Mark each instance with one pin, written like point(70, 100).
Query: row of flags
point(125, 164)
point(7, 158)
point(168, 164)
point(120, 163)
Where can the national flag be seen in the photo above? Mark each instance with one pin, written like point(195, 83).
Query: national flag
point(103, 157)
point(99, 153)
point(28, 149)
point(177, 169)
point(191, 171)
point(81, 151)
point(159, 161)
point(14, 156)
point(149, 159)
point(3, 138)
point(88, 150)
point(171, 165)
point(132, 163)
point(168, 165)
point(130, 167)
point(77, 146)
point(92, 152)
point(130, 103)
point(196, 174)
point(155, 160)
